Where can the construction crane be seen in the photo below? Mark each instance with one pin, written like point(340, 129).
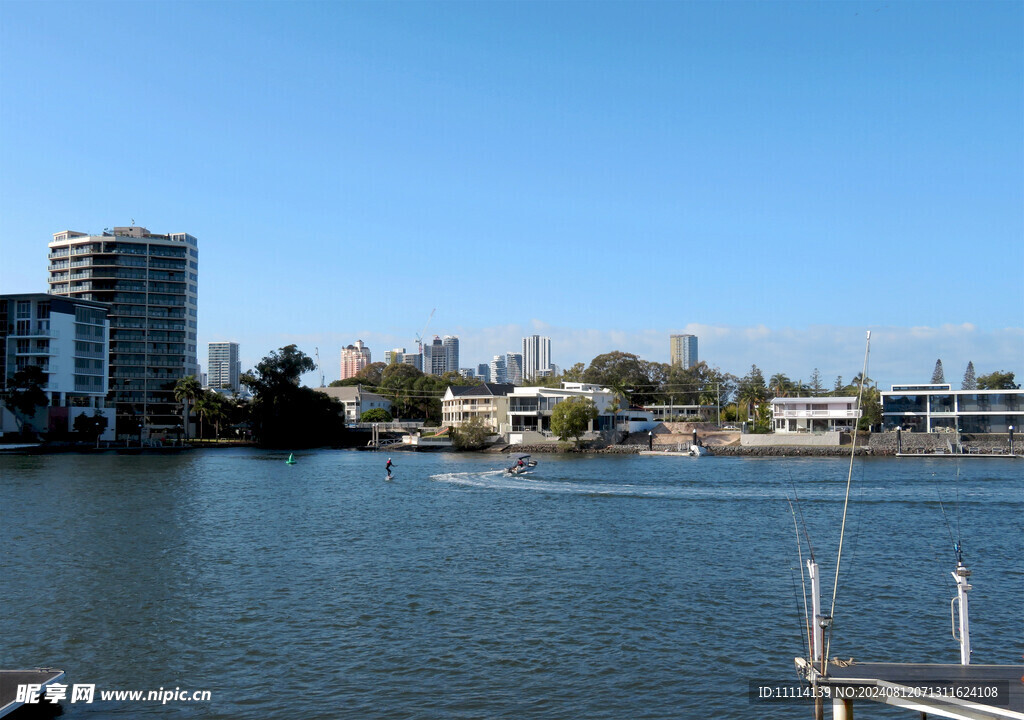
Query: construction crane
point(419, 338)
point(316, 351)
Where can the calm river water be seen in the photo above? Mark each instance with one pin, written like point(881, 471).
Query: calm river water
point(597, 587)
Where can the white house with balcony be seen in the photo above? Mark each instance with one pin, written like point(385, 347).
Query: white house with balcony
point(530, 410)
point(814, 414)
point(487, 402)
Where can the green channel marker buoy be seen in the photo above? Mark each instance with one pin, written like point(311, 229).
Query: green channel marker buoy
point(291, 459)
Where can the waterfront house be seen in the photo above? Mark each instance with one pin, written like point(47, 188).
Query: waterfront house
point(487, 402)
point(356, 400)
point(814, 414)
point(931, 407)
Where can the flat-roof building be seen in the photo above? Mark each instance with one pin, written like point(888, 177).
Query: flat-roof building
point(150, 281)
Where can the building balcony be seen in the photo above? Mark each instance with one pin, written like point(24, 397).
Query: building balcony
point(837, 414)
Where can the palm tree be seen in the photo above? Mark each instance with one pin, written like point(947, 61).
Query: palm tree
point(187, 390)
point(780, 385)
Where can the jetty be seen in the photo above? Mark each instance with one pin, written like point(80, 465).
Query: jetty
point(36, 680)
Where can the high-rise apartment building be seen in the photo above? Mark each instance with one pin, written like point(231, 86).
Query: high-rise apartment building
point(353, 359)
point(514, 368)
point(394, 357)
point(496, 372)
point(67, 340)
point(536, 355)
point(451, 353)
point(150, 282)
point(223, 366)
point(483, 371)
point(683, 350)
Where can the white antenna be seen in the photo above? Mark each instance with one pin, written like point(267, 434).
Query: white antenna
point(316, 351)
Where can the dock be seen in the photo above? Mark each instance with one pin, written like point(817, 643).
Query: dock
point(11, 679)
point(962, 692)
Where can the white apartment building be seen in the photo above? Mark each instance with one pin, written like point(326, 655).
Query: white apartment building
point(224, 369)
point(68, 340)
point(536, 356)
point(353, 359)
point(150, 282)
point(817, 414)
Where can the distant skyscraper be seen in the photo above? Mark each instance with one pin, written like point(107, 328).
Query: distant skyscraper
point(435, 358)
point(483, 371)
point(414, 359)
point(536, 355)
point(150, 282)
point(497, 370)
point(683, 350)
point(514, 368)
point(394, 357)
point(224, 367)
point(353, 359)
point(451, 353)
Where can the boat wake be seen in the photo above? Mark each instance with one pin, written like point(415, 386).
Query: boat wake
point(500, 480)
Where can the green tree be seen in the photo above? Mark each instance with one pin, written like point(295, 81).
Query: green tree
point(752, 390)
point(970, 381)
point(376, 415)
point(762, 418)
point(780, 385)
point(25, 395)
point(626, 370)
point(575, 373)
point(91, 426)
point(571, 417)
point(998, 380)
point(283, 414)
point(871, 409)
point(471, 435)
point(815, 383)
point(937, 374)
point(187, 391)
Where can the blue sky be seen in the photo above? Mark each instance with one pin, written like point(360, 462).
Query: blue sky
point(775, 177)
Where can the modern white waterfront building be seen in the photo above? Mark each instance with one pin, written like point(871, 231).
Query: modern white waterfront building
point(150, 282)
point(814, 414)
point(530, 408)
point(224, 369)
point(930, 407)
point(353, 359)
point(683, 350)
point(536, 356)
point(68, 340)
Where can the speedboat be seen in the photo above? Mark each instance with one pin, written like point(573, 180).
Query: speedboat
point(520, 464)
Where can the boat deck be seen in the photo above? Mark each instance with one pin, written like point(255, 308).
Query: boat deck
point(973, 692)
point(11, 679)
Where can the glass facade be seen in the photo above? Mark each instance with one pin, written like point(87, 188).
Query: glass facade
point(969, 411)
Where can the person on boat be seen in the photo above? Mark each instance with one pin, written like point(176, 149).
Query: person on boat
point(388, 467)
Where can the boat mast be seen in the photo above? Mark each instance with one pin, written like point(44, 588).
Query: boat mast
point(960, 576)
